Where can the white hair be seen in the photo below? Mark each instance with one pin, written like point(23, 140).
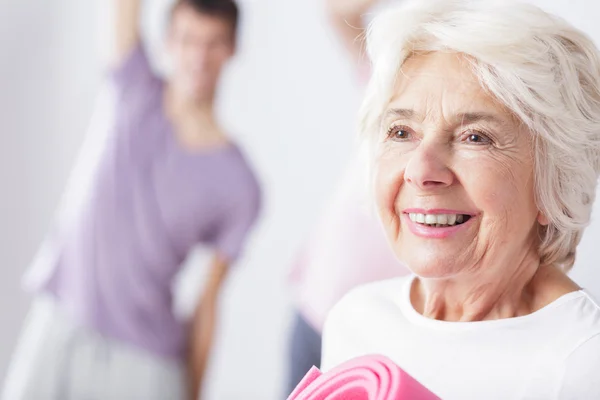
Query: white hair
point(546, 72)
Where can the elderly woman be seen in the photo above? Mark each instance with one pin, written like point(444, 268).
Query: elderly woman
point(484, 121)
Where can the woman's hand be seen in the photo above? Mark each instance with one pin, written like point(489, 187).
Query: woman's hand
point(346, 18)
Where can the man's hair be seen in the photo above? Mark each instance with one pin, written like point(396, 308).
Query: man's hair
point(224, 9)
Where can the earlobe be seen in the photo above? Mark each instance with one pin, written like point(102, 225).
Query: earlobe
point(542, 219)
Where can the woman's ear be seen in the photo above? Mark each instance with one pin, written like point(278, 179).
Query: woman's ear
point(542, 219)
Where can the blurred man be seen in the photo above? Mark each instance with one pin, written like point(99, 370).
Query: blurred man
point(348, 246)
point(165, 177)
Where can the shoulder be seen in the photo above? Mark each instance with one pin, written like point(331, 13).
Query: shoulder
point(583, 317)
point(241, 169)
point(357, 315)
point(234, 172)
point(581, 314)
point(372, 294)
point(370, 301)
point(364, 303)
point(580, 376)
point(237, 182)
point(576, 326)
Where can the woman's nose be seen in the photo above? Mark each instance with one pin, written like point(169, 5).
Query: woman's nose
point(427, 167)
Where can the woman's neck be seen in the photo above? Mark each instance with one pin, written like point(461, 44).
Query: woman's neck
point(489, 296)
point(457, 300)
point(497, 287)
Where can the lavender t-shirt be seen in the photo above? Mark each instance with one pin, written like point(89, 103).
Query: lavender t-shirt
point(145, 203)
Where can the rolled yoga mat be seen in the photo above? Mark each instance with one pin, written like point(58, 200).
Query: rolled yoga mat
point(364, 378)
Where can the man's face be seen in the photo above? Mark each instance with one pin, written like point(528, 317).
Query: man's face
point(199, 46)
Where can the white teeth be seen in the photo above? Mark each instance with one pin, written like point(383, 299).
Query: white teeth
point(431, 219)
point(437, 220)
point(451, 219)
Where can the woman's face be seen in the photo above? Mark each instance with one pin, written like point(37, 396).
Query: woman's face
point(454, 172)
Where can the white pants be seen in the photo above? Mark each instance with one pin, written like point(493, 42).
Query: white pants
point(58, 360)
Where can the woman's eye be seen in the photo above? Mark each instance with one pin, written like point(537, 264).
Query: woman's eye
point(399, 133)
point(477, 138)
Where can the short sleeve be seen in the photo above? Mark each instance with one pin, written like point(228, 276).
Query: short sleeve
point(236, 222)
point(581, 379)
point(332, 346)
point(134, 70)
point(340, 330)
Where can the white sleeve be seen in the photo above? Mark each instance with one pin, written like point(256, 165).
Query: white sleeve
point(342, 332)
point(581, 379)
point(332, 340)
point(351, 326)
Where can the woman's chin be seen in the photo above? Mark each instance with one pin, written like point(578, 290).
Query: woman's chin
point(432, 266)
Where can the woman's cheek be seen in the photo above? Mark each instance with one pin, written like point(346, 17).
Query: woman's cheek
point(389, 176)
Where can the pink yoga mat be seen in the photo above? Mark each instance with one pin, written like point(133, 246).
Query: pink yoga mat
point(364, 378)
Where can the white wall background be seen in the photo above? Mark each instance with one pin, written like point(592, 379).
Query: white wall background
point(48, 77)
point(289, 98)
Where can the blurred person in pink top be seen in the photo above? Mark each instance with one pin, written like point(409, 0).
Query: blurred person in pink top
point(348, 246)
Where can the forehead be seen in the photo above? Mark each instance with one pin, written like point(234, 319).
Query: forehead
point(187, 19)
point(441, 82)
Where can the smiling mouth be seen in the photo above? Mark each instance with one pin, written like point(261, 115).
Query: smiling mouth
point(439, 220)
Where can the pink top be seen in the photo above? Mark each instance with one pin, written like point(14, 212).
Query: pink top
point(347, 248)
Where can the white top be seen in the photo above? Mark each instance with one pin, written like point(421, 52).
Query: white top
point(553, 353)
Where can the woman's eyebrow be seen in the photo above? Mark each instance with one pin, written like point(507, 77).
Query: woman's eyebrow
point(400, 113)
point(463, 118)
point(473, 117)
